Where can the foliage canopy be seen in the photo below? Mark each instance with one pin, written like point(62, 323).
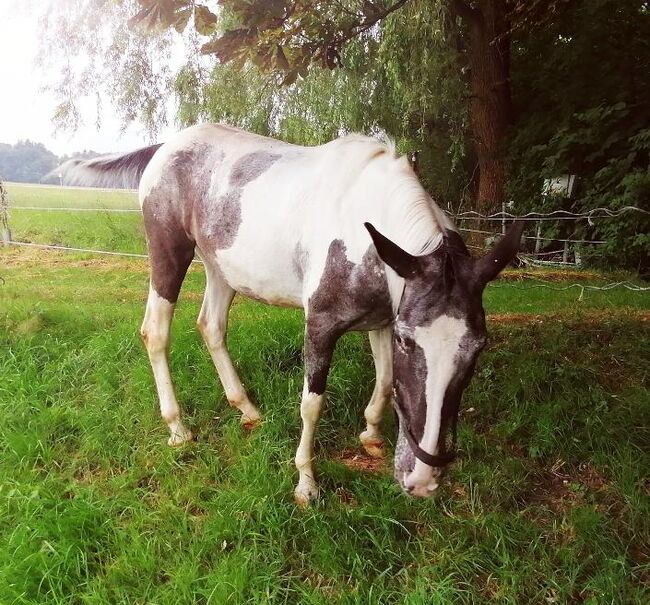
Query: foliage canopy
point(578, 78)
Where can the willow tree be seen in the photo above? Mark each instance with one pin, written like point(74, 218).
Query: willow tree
point(290, 40)
point(399, 80)
point(288, 36)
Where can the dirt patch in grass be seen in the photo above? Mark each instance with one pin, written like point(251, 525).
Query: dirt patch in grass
point(561, 489)
point(554, 275)
point(359, 461)
point(587, 319)
point(26, 257)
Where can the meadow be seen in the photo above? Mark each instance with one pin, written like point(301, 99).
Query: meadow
point(549, 501)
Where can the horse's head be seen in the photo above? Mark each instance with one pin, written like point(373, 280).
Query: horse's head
point(438, 334)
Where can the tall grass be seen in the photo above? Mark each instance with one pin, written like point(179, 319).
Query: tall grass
point(547, 504)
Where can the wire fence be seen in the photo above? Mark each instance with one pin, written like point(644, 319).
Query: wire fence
point(568, 255)
point(555, 215)
point(85, 250)
point(502, 217)
point(572, 245)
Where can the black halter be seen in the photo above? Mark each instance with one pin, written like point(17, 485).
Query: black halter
point(436, 461)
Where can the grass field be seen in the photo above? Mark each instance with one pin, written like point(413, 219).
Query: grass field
point(548, 503)
point(118, 231)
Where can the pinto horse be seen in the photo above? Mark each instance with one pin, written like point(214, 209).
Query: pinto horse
point(343, 230)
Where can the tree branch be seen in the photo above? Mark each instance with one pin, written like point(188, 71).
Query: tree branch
point(359, 28)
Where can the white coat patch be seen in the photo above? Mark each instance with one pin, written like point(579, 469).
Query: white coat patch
point(440, 342)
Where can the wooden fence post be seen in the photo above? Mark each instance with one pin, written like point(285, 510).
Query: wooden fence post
point(5, 232)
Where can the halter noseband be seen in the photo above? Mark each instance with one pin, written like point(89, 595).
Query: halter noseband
point(438, 460)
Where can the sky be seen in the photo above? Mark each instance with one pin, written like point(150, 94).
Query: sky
point(26, 110)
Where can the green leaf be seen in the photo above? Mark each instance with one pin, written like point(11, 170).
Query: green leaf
point(205, 20)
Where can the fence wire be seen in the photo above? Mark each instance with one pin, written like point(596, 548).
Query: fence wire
point(66, 209)
point(555, 215)
point(538, 258)
point(86, 250)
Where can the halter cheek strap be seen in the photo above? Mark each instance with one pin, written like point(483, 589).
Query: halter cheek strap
point(428, 459)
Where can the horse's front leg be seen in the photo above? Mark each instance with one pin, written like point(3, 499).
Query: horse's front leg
point(319, 346)
point(381, 345)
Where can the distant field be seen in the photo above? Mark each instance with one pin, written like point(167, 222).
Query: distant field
point(549, 501)
point(24, 194)
point(96, 230)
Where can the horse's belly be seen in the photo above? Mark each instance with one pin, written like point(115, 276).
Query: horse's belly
point(265, 273)
point(253, 236)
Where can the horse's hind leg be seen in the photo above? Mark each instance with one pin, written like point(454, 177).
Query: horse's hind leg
point(170, 256)
point(371, 438)
point(212, 323)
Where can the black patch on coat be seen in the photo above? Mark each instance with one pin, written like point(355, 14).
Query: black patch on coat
point(409, 380)
point(221, 217)
point(319, 348)
point(251, 166)
point(348, 297)
point(299, 261)
point(167, 212)
point(171, 249)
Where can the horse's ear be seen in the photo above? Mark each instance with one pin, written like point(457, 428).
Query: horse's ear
point(404, 264)
point(488, 267)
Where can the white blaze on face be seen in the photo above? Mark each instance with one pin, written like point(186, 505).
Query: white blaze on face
point(440, 342)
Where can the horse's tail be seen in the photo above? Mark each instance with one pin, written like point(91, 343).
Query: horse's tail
point(114, 170)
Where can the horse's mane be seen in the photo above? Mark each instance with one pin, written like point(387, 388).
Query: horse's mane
point(423, 222)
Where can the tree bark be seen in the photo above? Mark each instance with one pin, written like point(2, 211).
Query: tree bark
point(490, 104)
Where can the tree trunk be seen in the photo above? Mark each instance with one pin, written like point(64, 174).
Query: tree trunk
point(490, 106)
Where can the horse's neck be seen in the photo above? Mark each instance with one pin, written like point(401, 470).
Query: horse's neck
point(408, 217)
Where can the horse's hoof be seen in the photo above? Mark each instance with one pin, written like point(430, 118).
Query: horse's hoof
point(375, 450)
point(306, 492)
point(180, 438)
point(374, 446)
point(250, 423)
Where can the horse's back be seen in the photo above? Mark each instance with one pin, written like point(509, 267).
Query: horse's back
point(208, 183)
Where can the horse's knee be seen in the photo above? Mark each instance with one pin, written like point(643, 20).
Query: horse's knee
point(380, 397)
point(155, 341)
point(374, 412)
point(310, 407)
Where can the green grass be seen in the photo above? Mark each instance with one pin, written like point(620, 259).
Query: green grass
point(548, 502)
point(21, 194)
point(122, 232)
